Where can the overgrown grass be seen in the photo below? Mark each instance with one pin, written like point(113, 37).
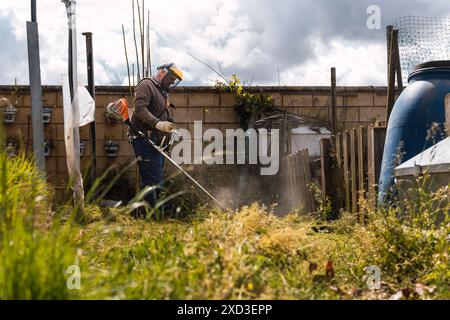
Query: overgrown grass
point(35, 249)
point(252, 254)
point(246, 254)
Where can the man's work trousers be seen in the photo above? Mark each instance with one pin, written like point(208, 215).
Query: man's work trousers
point(150, 168)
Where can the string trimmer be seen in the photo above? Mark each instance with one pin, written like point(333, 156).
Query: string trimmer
point(119, 110)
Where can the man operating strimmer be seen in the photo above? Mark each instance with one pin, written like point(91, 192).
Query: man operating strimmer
point(153, 116)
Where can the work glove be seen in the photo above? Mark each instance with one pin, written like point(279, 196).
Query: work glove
point(165, 126)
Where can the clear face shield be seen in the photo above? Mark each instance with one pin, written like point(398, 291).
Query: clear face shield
point(169, 78)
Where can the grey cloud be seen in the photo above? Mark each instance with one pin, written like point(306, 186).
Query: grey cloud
point(13, 54)
point(286, 31)
point(116, 75)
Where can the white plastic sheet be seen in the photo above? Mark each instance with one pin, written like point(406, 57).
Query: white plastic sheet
point(72, 143)
point(86, 107)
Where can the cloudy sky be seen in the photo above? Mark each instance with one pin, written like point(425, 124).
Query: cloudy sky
point(251, 38)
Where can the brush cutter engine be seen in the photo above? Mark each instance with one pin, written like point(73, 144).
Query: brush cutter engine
point(118, 110)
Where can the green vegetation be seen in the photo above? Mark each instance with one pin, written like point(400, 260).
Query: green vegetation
point(249, 107)
point(34, 248)
point(247, 254)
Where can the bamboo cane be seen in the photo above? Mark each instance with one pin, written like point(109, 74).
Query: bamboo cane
point(143, 37)
point(128, 65)
point(135, 45)
point(149, 59)
point(132, 67)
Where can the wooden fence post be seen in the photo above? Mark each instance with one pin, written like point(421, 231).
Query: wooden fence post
point(354, 178)
point(325, 161)
point(379, 139)
point(362, 158)
point(338, 151)
point(371, 166)
point(293, 177)
point(337, 192)
point(307, 184)
point(376, 140)
point(391, 73)
point(345, 144)
point(389, 29)
point(333, 101)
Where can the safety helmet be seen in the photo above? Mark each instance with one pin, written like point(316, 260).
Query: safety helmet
point(168, 76)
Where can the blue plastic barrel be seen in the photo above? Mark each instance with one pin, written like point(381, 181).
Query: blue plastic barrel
point(420, 105)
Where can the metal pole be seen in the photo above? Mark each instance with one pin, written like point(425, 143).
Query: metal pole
point(73, 68)
point(33, 11)
point(77, 181)
point(34, 67)
point(91, 89)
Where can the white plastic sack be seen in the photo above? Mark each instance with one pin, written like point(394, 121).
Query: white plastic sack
point(72, 142)
point(86, 107)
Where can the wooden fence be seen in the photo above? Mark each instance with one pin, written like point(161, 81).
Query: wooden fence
point(295, 174)
point(351, 164)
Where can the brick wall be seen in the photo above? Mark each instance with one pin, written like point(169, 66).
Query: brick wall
point(356, 106)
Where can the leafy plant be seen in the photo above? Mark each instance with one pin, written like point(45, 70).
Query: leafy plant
point(248, 105)
point(325, 205)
